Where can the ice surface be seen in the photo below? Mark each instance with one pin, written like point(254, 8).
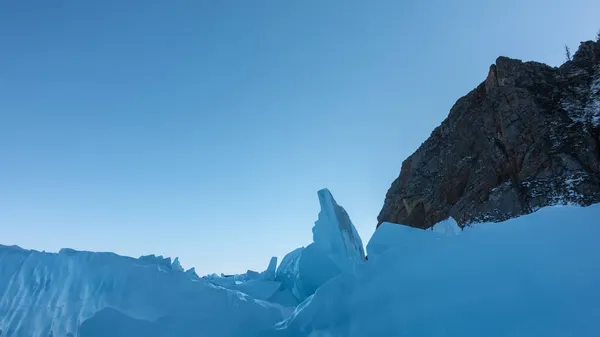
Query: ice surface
point(536, 275)
point(336, 248)
point(335, 235)
point(269, 274)
point(191, 273)
point(288, 270)
point(261, 286)
point(176, 265)
point(56, 295)
point(448, 227)
point(288, 275)
point(408, 239)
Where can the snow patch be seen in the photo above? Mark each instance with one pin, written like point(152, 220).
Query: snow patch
point(585, 107)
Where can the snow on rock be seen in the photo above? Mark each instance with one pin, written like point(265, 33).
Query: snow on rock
point(336, 248)
point(507, 146)
point(584, 105)
point(85, 294)
point(536, 275)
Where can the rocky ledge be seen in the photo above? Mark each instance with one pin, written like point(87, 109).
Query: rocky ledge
point(525, 138)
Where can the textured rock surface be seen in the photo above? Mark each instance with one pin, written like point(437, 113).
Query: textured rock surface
point(525, 138)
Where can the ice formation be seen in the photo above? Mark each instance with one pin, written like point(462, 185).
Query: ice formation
point(86, 294)
point(536, 275)
point(336, 248)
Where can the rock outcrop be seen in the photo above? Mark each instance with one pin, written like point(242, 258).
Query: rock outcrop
point(525, 138)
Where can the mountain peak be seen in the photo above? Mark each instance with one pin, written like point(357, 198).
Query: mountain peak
point(525, 138)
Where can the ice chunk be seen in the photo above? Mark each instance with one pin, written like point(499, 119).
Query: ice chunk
point(249, 275)
point(269, 273)
point(448, 227)
point(176, 265)
point(68, 294)
point(159, 261)
point(314, 269)
point(289, 269)
point(261, 286)
point(536, 275)
point(408, 239)
point(192, 273)
point(335, 235)
point(336, 248)
point(257, 288)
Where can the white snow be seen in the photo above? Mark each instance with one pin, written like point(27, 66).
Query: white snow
point(592, 108)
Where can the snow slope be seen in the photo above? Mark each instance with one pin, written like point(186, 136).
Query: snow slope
point(86, 294)
point(536, 275)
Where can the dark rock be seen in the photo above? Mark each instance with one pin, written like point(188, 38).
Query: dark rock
point(525, 138)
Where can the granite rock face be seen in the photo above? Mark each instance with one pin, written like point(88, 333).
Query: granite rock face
point(525, 138)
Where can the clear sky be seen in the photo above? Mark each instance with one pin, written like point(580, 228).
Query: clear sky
point(203, 129)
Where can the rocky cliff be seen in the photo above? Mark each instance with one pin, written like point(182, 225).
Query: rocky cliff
point(525, 138)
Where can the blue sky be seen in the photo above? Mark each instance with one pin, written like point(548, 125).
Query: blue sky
point(203, 129)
